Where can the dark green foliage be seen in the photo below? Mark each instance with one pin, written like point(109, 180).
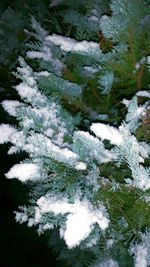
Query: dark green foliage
point(128, 210)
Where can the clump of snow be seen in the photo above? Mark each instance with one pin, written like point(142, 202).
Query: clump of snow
point(23, 171)
point(140, 111)
point(126, 102)
point(39, 144)
point(48, 226)
point(68, 44)
point(21, 217)
point(93, 145)
point(39, 55)
point(30, 94)
point(38, 28)
point(12, 150)
point(87, 136)
point(80, 219)
point(6, 133)
point(107, 132)
point(143, 93)
point(25, 91)
point(141, 255)
point(18, 139)
point(46, 55)
point(11, 106)
point(80, 166)
point(140, 252)
point(42, 73)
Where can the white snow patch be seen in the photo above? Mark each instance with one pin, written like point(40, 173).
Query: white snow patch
point(68, 44)
point(81, 166)
point(6, 133)
point(23, 171)
point(46, 55)
point(126, 102)
point(140, 252)
point(107, 132)
point(43, 146)
point(42, 73)
point(80, 219)
point(48, 226)
point(143, 93)
point(39, 55)
point(11, 106)
point(25, 91)
point(21, 217)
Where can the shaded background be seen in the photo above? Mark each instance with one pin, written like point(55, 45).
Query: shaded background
point(19, 245)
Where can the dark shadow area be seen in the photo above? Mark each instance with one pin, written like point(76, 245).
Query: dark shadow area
point(19, 245)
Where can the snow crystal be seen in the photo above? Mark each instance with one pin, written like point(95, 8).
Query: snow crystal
point(107, 132)
point(80, 219)
point(6, 133)
point(11, 106)
point(23, 171)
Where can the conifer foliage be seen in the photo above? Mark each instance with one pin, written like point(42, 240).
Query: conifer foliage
point(83, 119)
